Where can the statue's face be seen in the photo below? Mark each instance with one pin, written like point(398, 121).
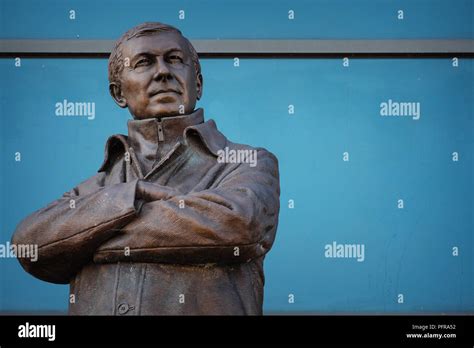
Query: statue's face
point(161, 79)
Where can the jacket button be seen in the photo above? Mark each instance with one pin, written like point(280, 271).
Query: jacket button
point(123, 308)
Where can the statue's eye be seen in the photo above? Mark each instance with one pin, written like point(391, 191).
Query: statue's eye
point(174, 58)
point(143, 62)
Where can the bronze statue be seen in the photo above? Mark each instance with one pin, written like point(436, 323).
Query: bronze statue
point(178, 218)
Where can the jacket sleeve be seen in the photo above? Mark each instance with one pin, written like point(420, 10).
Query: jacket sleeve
point(69, 230)
point(234, 222)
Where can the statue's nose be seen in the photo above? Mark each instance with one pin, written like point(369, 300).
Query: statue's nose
point(162, 70)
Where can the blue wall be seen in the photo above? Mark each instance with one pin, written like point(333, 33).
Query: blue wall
point(263, 19)
point(408, 251)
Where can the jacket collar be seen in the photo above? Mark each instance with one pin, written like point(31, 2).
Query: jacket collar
point(147, 134)
point(193, 123)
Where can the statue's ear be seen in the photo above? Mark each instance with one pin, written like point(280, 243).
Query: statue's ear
point(116, 93)
point(199, 84)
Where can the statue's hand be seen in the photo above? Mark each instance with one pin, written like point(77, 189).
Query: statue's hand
point(148, 191)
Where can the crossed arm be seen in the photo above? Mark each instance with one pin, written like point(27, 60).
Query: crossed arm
point(232, 222)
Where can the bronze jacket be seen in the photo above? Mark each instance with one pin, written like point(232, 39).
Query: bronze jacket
point(200, 250)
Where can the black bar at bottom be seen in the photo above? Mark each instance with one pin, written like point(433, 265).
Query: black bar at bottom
point(446, 330)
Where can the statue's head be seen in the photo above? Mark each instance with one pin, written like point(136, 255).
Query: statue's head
point(155, 72)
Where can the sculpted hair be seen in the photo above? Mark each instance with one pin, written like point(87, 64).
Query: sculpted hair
point(116, 59)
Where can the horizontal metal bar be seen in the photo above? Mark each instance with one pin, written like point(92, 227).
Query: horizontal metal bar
point(252, 47)
point(334, 46)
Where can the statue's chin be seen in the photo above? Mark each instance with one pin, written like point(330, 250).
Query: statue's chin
point(163, 110)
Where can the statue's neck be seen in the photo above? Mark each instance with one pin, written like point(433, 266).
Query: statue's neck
point(153, 138)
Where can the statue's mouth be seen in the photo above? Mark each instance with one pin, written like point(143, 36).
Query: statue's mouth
point(163, 91)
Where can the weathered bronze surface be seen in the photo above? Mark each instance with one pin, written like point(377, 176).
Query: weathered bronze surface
point(168, 225)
